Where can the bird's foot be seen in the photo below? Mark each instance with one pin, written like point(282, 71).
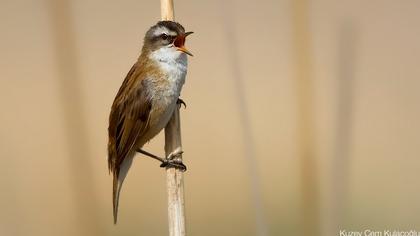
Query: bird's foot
point(172, 161)
point(174, 164)
point(181, 102)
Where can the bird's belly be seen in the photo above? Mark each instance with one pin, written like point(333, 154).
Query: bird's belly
point(162, 117)
point(159, 116)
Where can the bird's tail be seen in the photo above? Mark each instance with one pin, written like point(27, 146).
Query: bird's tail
point(119, 176)
point(116, 188)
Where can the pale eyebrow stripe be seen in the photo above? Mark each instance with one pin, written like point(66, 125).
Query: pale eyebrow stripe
point(162, 30)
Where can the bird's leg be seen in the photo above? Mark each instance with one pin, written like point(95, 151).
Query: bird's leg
point(181, 102)
point(168, 162)
point(150, 155)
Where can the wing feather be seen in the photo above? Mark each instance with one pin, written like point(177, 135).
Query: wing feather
point(128, 119)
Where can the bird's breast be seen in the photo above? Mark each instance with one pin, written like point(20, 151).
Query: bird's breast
point(165, 92)
point(167, 87)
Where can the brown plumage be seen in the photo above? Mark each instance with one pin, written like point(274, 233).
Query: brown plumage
point(146, 99)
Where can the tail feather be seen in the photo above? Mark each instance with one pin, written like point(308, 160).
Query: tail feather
point(116, 188)
point(118, 179)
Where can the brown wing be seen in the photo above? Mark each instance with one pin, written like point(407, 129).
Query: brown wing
point(128, 119)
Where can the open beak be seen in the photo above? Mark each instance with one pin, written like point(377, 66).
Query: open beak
point(180, 41)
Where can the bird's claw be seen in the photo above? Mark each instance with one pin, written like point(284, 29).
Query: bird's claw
point(174, 164)
point(181, 102)
point(173, 161)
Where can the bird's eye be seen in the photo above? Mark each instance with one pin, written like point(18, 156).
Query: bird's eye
point(164, 36)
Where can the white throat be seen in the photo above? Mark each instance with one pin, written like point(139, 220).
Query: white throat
point(170, 59)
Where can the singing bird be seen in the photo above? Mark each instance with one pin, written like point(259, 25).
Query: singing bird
point(146, 101)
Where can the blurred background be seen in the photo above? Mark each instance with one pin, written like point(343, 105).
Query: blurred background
point(302, 117)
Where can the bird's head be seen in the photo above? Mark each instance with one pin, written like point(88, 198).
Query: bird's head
point(167, 37)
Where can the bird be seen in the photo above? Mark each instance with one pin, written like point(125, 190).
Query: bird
point(146, 101)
